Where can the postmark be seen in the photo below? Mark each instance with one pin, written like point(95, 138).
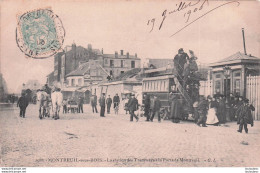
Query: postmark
point(40, 33)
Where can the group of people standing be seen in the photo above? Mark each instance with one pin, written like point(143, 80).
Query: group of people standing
point(105, 102)
point(218, 110)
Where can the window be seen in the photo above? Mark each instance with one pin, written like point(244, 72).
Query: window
point(218, 76)
point(106, 62)
point(80, 82)
point(237, 74)
point(111, 73)
point(72, 82)
point(122, 63)
point(111, 63)
point(132, 64)
point(237, 86)
point(122, 72)
point(217, 87)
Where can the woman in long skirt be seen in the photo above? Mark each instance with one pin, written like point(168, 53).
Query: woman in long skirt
point(212, 118)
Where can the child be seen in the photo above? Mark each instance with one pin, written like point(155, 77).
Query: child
point(22, 103)
point(245, 116)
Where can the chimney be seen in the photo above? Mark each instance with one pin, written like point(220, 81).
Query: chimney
point(122, 52)
point(127, 55)
point(136, 55)
point(102, 51)
point(244, 42)
point(116, 54)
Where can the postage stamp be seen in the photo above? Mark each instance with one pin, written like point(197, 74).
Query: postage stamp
point(40, 33)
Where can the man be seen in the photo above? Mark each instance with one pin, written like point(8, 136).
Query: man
point(156, 109)
point(186, 74)
point(179, 61)
point(202, 110)
point(22, 103)
point(133, 105)
point(245, 116)
point(65, 105)
point(80, 104)
point(116, 101)
point(108, 102)
point(93, 101)
point(147, 106)
point(102, 103)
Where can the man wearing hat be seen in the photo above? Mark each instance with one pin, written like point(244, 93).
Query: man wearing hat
point(22, 104)
point(179, 61)
point(102, 103)
point(202, 110)
point(133, 106)
point(245, 116)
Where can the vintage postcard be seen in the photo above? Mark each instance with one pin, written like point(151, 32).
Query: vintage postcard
point(127, 83)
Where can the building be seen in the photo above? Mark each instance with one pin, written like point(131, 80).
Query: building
point(159, 63)
point(117, 64)
point(230, 74)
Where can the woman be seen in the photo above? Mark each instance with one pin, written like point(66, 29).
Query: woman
point(175, 108)
point(212, 118)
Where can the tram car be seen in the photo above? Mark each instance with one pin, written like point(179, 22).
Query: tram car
point(161, 82)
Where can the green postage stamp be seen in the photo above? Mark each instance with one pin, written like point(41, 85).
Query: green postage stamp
point(40, 33)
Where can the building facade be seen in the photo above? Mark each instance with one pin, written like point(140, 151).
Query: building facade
point(229, 75)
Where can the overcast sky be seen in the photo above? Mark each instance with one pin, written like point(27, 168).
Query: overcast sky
point(116, 25)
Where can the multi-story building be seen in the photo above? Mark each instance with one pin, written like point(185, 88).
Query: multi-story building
point(116, 64)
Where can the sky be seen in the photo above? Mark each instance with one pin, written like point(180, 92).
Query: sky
point(116, 25)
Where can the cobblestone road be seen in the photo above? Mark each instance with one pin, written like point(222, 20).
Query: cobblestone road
point(89, 140)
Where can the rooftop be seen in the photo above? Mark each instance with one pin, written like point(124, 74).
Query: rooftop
point(80, 71)
point(236, 58)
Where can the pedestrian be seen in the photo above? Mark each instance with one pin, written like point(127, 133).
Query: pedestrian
point(116, 101)
point(156, 109)
point(175, 108)
point(202, 110)
point(238, 105)
point(22, 104)
point(147, 107)
point(102, 103)
point(80, 104)
point(65, 105)
point(133, 106)
point(93, 101)
point(108, 102)
point(125, 103)
point(245, 116)
point(221, 109)
point(212, 118)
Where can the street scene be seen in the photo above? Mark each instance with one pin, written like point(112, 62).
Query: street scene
point(86, 84)
point(112, 140)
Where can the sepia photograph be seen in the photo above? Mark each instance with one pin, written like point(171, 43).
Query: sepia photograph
point(127, 83)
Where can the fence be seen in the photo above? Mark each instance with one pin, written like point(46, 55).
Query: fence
point(206, 88)
point(253, 94)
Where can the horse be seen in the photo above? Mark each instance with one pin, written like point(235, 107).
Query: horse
point(57, 99)
point(41, 102)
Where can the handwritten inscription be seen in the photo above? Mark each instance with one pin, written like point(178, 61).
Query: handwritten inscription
point(188, 9)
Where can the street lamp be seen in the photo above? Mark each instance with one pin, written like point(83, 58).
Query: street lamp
point(227, 71)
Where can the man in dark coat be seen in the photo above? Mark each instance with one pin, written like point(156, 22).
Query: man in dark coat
point(245, 116)
point(133, 106)
point(175, 108)
point(156, 109)
point(108, 102)
point(147, 107)
point(102, 103)
point(22, 103)
point(116, 101)
point(202, 110)
point(238, 105)
point(179, 61)
point(221, 110)
point(93, 101)
point(80, 104)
